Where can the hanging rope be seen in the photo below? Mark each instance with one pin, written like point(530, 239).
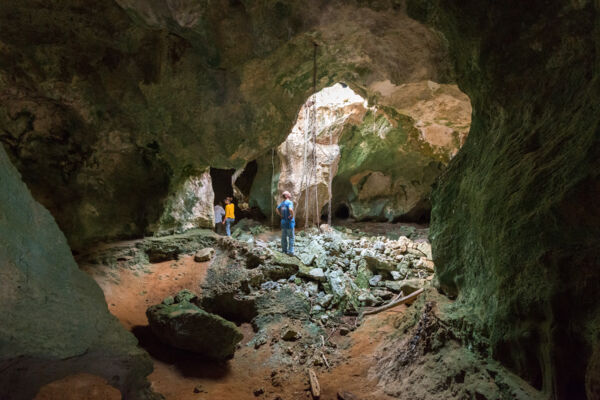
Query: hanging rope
point(329, 189)
point(305, 177)
point(309, 162)
point(314, 135)
point(272, 183)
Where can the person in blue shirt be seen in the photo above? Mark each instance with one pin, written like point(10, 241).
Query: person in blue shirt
point(286, 211)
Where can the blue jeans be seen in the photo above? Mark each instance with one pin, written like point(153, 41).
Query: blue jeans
point(228, 222)
point(287, 240)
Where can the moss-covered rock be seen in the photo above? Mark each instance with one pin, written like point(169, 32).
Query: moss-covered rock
point(55, 321)
point(386, 170)
point(515, 223)
point(184, 325)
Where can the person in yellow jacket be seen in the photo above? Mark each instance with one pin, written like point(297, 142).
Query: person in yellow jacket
point(229, 215)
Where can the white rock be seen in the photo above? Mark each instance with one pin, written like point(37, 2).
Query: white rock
point(317, 273)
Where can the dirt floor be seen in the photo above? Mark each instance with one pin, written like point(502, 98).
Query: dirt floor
point(251, 374)
point(408, 352)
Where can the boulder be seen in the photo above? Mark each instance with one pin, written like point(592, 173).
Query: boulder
point(425, 264)
point(204, 255)
point(412, 285)
point(290, 335)
point(377, 264)
point(317, 274)
point(374, 281)
point(406, 286)
point(189, 206)
point(183, 295)
point(314, 254)
point(186, 326)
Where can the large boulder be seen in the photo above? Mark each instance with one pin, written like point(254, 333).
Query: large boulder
point(55, 321)
point(184, 325)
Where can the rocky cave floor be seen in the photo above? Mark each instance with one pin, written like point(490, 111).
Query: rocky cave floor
point(295, 313)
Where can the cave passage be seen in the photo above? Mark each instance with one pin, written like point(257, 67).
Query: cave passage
point(342, 211)
point(221, 183)
point(246, 178)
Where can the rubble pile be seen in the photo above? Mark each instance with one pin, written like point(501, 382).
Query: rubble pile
point(294, 303)
point(341, 274)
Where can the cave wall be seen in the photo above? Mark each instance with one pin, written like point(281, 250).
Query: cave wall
point(55, 321)
point(390, 160)
point(516, 222)
point(105, 106)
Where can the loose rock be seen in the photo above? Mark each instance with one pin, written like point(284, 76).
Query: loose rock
point(204, 255)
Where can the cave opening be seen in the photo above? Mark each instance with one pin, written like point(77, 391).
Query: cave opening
point(246, 178)
point(342, 211)
point(221, 183)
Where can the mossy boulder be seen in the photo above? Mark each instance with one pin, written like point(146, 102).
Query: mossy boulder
point(186, 326)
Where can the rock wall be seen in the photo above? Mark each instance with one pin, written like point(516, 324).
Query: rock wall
point(191, 206)
point(516, 222)
point(390, 161)
point(105, 104)
point(55, 321)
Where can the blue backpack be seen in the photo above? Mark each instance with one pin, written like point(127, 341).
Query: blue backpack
point(284, 208)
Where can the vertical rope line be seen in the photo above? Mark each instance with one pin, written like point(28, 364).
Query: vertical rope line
point(272, 183)
point(305, 176)
point(329, 188)
point(317, 213)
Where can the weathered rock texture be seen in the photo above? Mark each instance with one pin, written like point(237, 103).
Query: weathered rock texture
point(55, 321)
point(306, 167)
point(191, 206)
point(107, 108)
point(516, 221)
point(183, 325)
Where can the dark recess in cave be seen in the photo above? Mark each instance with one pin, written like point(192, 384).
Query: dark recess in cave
point(342, 211)
point(245, 180)
point(420, 213)
point(221, 183)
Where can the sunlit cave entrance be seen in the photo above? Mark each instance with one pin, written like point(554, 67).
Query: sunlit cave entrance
point(368, 163)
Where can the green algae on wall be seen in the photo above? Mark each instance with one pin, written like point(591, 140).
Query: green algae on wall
point(55, 321)
point(385, 169)
point(516, 222)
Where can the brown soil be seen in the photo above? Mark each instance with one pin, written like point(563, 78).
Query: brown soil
point(79, 387)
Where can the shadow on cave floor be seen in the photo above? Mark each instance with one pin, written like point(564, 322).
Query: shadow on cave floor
point(189, 365)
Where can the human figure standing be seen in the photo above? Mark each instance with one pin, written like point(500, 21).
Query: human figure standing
point(219, 218)
point(229, 215)
point(286, 211)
